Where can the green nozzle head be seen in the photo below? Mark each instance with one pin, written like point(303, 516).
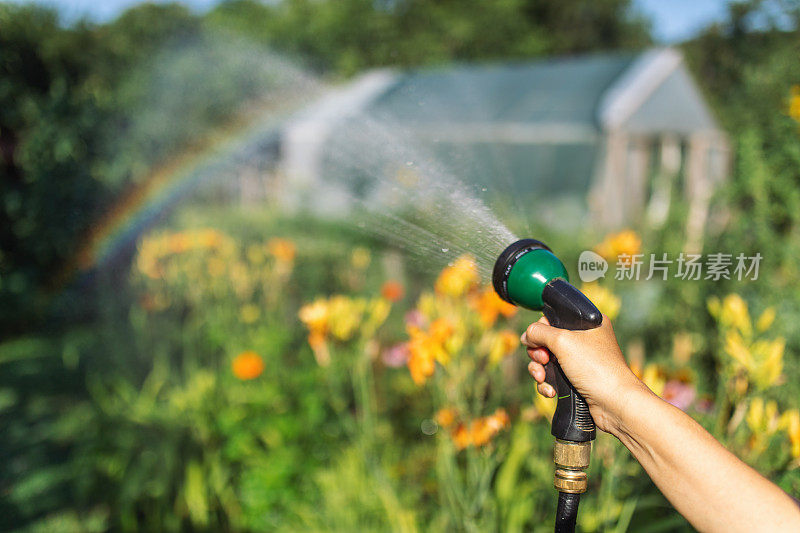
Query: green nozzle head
point(523, 270)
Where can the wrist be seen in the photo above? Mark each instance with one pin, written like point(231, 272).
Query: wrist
point(624, 418)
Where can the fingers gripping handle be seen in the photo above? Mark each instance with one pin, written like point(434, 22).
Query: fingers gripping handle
point(567, 308)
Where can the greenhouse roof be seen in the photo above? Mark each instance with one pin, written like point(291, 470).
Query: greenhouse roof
point(566, 90)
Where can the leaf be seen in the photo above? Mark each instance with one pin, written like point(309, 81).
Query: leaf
point(195, 494)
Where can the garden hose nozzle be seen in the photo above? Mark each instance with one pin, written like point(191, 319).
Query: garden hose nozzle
point(527, 274)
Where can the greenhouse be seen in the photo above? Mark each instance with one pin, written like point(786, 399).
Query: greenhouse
point(624, 131)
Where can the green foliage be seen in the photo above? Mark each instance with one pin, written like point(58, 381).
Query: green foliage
point(47, 126)
point(347, 36)
point(748, 75)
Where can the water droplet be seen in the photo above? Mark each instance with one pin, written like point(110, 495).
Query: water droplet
point(409, 163)
point(483, 189)
point(445, 250)
point(429, 427)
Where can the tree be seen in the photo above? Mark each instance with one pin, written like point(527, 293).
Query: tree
point(347, 36)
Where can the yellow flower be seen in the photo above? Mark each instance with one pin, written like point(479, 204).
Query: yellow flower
point(360, 258)
point(377, 312)
point(732, 312)
point(736, 349)
point(766, 319)
point(682, 347)
point(545, 406)
point(653, 377)
point(606, 301)
point(504, 343)
point(769, 366)
point(457, 279)
point(156, 250)
point(247, 365)
point(790, 420)
point(210, 238)
point(763, 421)
point(626, 242)
point(179, 242)
point(794, 103)
point(761, 360)
point(344, 316)
point(250, 313)
point(315, 315)
point(427, 305)
point(755, 414)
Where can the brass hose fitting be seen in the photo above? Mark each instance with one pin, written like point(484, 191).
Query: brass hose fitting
point(571, 459)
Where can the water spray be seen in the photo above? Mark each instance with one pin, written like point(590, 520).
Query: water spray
point(527, 274)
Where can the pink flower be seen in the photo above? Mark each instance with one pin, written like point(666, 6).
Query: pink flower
point(416, 319)
point(704, 405)
point(679, 394)
point(396, 356)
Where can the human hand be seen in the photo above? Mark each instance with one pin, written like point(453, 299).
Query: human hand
point(591, 360)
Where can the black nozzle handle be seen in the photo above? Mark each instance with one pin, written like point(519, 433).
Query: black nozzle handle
point(567, 308)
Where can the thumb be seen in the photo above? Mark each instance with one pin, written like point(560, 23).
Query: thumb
point(541, 334)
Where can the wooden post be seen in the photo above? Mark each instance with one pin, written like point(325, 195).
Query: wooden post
point(636, 175)
point(606, 197)
point(698, 190)
point(669, 165)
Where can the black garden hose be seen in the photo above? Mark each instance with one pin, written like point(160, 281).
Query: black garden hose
point(567, 512)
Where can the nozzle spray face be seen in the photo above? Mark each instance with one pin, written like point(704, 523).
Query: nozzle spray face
point(522, 272)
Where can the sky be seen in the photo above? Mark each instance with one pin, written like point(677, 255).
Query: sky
point(673, 20)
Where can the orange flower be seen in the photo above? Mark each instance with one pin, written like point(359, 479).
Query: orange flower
point(481, 431)
point(282, 249)
point(500, 419)
point(316, 339)
point(626, 243)
point(461, 436)
point(421, 363)
point(392, 291)
point(441, 329)
point(489, 306)
point(425, 348)
point(459, 278)
point(247, 365)
point(446, 416)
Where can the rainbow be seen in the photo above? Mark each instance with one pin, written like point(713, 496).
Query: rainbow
point(120, 227)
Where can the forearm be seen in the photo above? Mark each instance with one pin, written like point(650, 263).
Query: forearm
point(706, 483)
